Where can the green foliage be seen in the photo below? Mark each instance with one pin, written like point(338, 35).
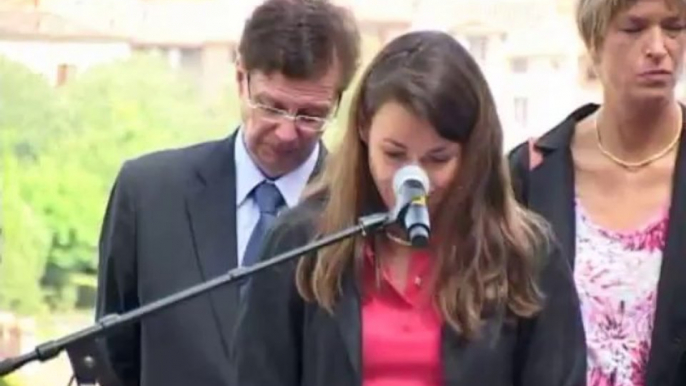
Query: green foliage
point(10, 381)
point(25, 244)
point(28, 116)
point(115, 112)
point(29, 109)
point(61, 151)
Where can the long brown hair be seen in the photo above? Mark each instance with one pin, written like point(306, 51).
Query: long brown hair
point(488, 255)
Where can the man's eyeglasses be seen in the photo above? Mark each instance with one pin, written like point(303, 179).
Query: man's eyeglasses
point(308, 123)
point(304, 122)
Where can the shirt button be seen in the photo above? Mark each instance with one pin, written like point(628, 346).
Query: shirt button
point(418, 281)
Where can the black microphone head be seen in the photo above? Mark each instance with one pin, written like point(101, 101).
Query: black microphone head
point(419, 236)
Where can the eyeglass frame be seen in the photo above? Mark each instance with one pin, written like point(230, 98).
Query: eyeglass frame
point(281, 113)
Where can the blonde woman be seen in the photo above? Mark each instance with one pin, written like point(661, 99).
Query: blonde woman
point(611, 179)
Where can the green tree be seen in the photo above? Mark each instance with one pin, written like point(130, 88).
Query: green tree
point(29, 110)
point(27, 126)
point(112, 113)
point(25, 243)
point(60, 152)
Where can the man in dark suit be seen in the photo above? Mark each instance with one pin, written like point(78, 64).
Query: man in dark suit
point(176, 218)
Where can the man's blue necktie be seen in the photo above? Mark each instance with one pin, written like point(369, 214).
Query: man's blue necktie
point(269, 201)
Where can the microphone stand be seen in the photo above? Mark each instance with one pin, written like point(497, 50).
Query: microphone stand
point(87, 360)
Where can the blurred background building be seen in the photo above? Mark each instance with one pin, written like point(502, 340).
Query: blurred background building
point(528, 49)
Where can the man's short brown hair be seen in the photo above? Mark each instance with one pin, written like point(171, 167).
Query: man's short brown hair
point(301, 39)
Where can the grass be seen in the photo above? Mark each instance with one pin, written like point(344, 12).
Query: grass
point(11, 381)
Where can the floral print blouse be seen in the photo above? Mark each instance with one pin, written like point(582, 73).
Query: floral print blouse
point(616, 275)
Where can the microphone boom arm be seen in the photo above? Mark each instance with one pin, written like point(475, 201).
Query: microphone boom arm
point(51, 349)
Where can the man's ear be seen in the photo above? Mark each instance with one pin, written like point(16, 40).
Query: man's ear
point(241, 77)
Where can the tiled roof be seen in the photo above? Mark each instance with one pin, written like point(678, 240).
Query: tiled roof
point(26, 23)
point(174, 22)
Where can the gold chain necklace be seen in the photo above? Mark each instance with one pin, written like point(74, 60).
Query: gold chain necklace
point(398, 240)
point(633, 165)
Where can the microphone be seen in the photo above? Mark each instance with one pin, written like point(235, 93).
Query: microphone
point(411, 186)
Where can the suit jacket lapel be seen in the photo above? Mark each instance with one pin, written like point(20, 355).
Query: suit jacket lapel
point(551, 184)
point(669, 332)
point(347, 313)
point(211, 208)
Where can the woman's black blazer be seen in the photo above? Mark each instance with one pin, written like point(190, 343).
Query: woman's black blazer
point(548, 189)
point(283, 341)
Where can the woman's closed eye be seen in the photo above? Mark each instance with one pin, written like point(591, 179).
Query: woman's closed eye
point(395, 155)
point(438, 159)
point(431, 159)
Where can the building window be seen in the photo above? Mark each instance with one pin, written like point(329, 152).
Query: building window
point(478, 46)
point(65, 72)
point(519, 65)
point(190, 62)
point(521, 110)
point(190, 59)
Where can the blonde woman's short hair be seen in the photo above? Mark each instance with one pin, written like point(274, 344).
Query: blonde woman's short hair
point(594, 16)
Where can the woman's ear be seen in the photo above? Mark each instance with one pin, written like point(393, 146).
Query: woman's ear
point(363, 132)
point(594, 59)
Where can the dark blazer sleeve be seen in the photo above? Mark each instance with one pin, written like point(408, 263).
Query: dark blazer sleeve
point(518, 159)
point(551, 347)
point(117, 278)
point(268, 340)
